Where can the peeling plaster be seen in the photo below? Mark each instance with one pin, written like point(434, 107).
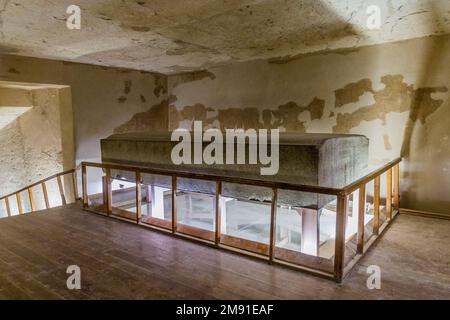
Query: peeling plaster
point(13, 70)
point(160, 86)
point(396, 96)
point(186, 48)
point(127, 86)
point(285, 116)
point(190, 76)
point(153, 120)
point(351, 92)
point(290, 58)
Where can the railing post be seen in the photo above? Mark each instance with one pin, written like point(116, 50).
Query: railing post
point(61, 190)
point(30, 196)
point(138, 196)
point(217, 211)
point(339, 251)
point(104, 192)
point(396, 186)
point(361, 216)
point(19, 203)
point(389, 193)
point(376, 205)
point(44, 191)
point(174, 204)
point(84, 185)
point(8, 209)
point(75, 185)
point(108, 190)
point(273, 212)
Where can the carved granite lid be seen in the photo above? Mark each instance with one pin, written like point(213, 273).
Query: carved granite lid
point(309, 139)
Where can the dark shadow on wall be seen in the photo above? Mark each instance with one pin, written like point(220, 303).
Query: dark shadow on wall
point(418, 109)
point(414, 172)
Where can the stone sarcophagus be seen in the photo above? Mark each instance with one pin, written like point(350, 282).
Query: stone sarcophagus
point(328, 160)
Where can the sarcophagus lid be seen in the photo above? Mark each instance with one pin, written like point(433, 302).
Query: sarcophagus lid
point(328, 160)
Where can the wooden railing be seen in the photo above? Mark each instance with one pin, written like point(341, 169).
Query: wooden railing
point(43, 184)
point(315, 264)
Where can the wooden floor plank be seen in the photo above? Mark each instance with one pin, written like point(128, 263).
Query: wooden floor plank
point(193, 254)
point(95, 262)
point(122, 260)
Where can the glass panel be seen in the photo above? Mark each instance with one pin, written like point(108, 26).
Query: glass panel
point(79, 183)
point(195, 207)
point(3, 212)
point(327, 230)
point(124, 196)
point(369, 215)
point(157, 200)
point(305, 229)
point(26, 206)
point(38, 196)
point(383, 192)
point(95, 191)
point(13, 205)
point(245, 217)
point(67, 184)
point(351, 227)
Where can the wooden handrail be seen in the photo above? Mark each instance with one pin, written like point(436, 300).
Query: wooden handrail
point(369, 177)
point(38, 183)
point(42, 183)
point(250, 181)
point(342, 195)
point(43, 180)
point(214, 177)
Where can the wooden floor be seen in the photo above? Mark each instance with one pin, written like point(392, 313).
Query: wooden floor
point(121, 260)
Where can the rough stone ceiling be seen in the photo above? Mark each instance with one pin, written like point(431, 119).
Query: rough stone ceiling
point(186, 35)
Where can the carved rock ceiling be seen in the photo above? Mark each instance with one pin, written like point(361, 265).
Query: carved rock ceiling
point(187, 35)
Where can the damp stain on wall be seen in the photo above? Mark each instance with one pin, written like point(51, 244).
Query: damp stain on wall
point(396, 96)
point(13, 70)
point(191, 76)
point(244, 118)
point(195, 112)
point(153, 120)
point(165, 116)
point(284, 116)
point(352, 92)
point(127, 86)
point(160, 86)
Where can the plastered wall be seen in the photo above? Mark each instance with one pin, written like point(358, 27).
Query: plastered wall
point(396, 94)
point(36, 143)
point(103, 98)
